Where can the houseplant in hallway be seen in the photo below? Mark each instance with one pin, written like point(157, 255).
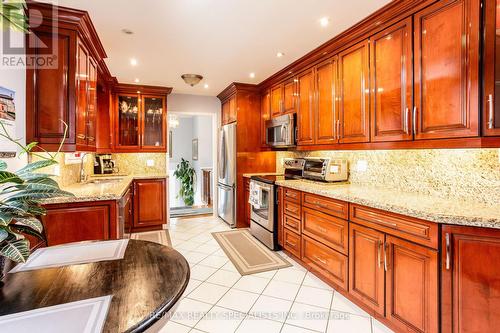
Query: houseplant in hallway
point(187, 176)
point(21, 194)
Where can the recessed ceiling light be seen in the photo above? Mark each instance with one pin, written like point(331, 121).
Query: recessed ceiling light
point(280, 54)
point(324, 21)
point(133, 62)
point(136, 80)
point(205, 85)
point(252, 75)
point(127, 32)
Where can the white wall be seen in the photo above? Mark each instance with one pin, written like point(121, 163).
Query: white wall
point(15, 79)
point(182, 137)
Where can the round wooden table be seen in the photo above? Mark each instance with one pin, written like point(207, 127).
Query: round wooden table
point(145, 285)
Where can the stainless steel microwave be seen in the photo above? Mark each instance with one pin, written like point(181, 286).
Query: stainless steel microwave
point(281, 131)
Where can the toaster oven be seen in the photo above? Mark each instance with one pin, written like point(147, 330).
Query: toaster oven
point(326, 169)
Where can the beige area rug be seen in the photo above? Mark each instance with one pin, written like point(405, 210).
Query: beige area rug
point(160, 237)
point(248, 254)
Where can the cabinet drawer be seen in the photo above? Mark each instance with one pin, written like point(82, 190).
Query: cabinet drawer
point(291, 242)
point(327, 229)
point(292, 195)
point(329, 263)
point(291, 223)
point(409, 228)
point(327, 205)
point(292, 209)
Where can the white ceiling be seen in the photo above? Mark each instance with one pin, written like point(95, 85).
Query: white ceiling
point(223, 40)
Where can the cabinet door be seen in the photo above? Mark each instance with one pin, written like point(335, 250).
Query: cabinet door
point(280, 216)
point(265, 115)
point(154, 123)
point(326, 108)
point(92, 105)
point(276, 100)
point(305, 110)
point(446, 70)
point(74, 224)
point(470, 284)
point(50, 93)
point(127, 121)
point(411, 286)
point(491, 99)
point(225, 113)
point(149, 203)
point(366, 267)
point(232, 110)
point(290, 96)
point(354, 94)
point(82, 82)
point(391, 74)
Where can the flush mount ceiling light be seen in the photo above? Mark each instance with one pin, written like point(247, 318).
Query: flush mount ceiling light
point(324, 21)
point(127, 32)
point(192, 79)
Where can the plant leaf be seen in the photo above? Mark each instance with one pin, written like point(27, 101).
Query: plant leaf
point(28, 231)
point(16, 250)
point(9, 177)
point(3, 235)
point(35, 166)
point(3, 165)
point(31, 222)
point(5, 218)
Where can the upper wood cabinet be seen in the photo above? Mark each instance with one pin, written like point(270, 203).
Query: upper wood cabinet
point(446, 37)
point(327, 118)
point(140, 114)
point(265, 115)
point(284, 98)
point(469, 280)
point(305, 108)
point(229, 111)
point(491, 98)
point(354, 94)
point(65, 92)
point(391, 82)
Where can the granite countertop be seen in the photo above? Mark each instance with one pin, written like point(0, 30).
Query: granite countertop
point(426, 207)
point(102, 190)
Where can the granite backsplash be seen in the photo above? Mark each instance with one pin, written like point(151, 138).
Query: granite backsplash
point(462, 174)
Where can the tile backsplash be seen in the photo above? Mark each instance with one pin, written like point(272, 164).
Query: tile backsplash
point(464, 174)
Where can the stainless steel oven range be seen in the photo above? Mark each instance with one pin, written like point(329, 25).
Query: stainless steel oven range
point(263, 212)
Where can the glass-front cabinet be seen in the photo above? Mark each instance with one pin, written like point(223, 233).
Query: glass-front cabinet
point(140, 118)
point(491, 96)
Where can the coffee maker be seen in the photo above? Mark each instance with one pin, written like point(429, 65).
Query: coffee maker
point(103, 164)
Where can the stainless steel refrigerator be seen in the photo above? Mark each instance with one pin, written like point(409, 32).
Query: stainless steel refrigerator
point(226, 185)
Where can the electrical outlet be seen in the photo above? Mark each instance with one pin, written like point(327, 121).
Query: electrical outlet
point(362, 166)
point(150, 163)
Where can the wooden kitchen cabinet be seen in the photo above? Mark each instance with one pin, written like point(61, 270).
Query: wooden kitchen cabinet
point(229, 111)
point(140, 118)
point(265, 115)
point(66, 91)
point(327, 118)
point(446, 62)
point(276, 100)
point(280, 216)
point(305, 108)
point(470, 286)
point(366, 267)
point(150, 204)
point(284, 98)
point(354, 94)
point(491, 69)
point(80, 221)
point(391, 81)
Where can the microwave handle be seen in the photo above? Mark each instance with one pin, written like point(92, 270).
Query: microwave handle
point(283, 133)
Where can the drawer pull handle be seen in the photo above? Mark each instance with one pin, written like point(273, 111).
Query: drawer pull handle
point(290, 244)
point(292, 210)
point(447, 237)
point(323, 261)
point(321, 229)
point(490, 111)
point(386, 245)
point(292, 224)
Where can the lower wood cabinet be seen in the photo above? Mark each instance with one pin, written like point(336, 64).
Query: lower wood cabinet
point(80, 221)
point(292, 243)
point(470, 280)
point(149, 204)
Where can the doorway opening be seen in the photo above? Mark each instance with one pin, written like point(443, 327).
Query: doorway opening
point(191, 164)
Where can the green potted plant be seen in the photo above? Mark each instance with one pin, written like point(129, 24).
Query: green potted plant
point(186, 175)
point(21, 194)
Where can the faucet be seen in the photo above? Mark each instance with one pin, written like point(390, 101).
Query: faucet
point(83, 176)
